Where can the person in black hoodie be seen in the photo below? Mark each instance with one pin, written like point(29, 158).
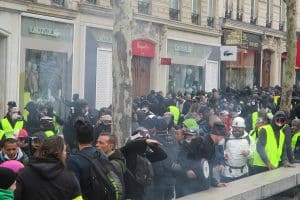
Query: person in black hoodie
point(46, 177)
point(139, 145)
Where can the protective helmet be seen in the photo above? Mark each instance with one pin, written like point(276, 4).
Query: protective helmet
point(194, 131)
point(238, 122)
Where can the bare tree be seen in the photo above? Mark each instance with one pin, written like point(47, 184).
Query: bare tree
point(122, 78)
point(289, 69)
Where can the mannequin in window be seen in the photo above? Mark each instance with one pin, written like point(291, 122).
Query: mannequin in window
point(189, 78)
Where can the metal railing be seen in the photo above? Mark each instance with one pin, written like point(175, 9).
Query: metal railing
point(144, 7)
point(210, 21)
point(239, 15)
point(269, 24)
point(58, 2)
point(228, 14)
point(253, 20)
point(174, 14)
point(281, 26)
point(195, 18)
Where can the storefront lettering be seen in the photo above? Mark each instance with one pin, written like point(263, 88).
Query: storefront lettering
point(233, 37)
point(183, 48)
point(44, 31)
point(105, 39)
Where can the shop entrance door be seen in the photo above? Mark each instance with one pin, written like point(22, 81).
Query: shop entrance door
point(3, 42)
point(140, 76)
point(266, 68)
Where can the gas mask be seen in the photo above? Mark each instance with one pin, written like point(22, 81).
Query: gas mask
point(15, 116)
point(280, 121)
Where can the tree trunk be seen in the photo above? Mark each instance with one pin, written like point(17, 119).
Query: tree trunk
point(122, 79)
point(289, 69)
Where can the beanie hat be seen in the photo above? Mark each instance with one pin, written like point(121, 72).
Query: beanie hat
point(7, 177)
point(219, 129)
point(13, 165)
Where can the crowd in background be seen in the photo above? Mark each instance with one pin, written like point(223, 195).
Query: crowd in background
point(180, 144)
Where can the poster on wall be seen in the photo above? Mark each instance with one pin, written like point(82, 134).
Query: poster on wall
point(211, 75)
point(104, 78)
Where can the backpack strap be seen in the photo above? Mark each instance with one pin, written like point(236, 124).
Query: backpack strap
point(96, 164)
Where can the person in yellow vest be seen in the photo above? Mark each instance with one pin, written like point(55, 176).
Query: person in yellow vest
point(47, 126)
point(13, 121)
point(270, 147)
point(251, 119)
point(261, 121)
point(295, 143)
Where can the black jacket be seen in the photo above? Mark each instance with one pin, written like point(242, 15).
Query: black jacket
point(46, 179)
point(130, 152)
point(81, 167)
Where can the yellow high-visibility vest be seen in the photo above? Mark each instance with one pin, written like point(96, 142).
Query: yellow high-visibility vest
point(272, 149)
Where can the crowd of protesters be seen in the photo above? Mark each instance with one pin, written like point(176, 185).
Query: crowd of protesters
point(180, 144)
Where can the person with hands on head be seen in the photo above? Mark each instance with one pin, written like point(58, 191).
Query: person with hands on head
point(140, 147)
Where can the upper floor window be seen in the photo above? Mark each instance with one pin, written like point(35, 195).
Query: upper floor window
point(174, 10)
point(144, 6)
point(282, 16)
point(269, 16)
point(228, 8)
point(210, 13)
point(58, 2)
point(254, 8)
point(195, 12)
point(239, 15)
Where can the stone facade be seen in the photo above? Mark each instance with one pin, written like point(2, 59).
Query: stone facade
point(151, 22)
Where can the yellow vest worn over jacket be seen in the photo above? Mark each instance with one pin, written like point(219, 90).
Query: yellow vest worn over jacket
point(7, 127)
point(176, 113)
point(254, 118)
point(252, 134)
point(49, 133)
point(294, 140)
point(272, 149)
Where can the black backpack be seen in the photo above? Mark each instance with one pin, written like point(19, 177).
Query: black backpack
point(105, 183)
point(136, 184)
point(144, 171)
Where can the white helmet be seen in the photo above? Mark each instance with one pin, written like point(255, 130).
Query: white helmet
point(238, 122)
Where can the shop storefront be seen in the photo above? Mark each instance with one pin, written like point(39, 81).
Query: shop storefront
point(194, 67)
point(143, 52)
point(245, 71)
point(98, 67)
point(46, 61)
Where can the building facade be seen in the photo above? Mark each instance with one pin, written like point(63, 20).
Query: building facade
point(257, 28)
point(59, 47)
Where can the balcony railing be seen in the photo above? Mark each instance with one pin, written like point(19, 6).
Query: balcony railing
point(228, 14)
point(239, 15)
point(195, 18)
point(92, 1)
point(253, 20)
point(210, 21)
point(144, 7)
point(174, 14)
point(269, 24)
point(58, 2)
point(281, 26)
